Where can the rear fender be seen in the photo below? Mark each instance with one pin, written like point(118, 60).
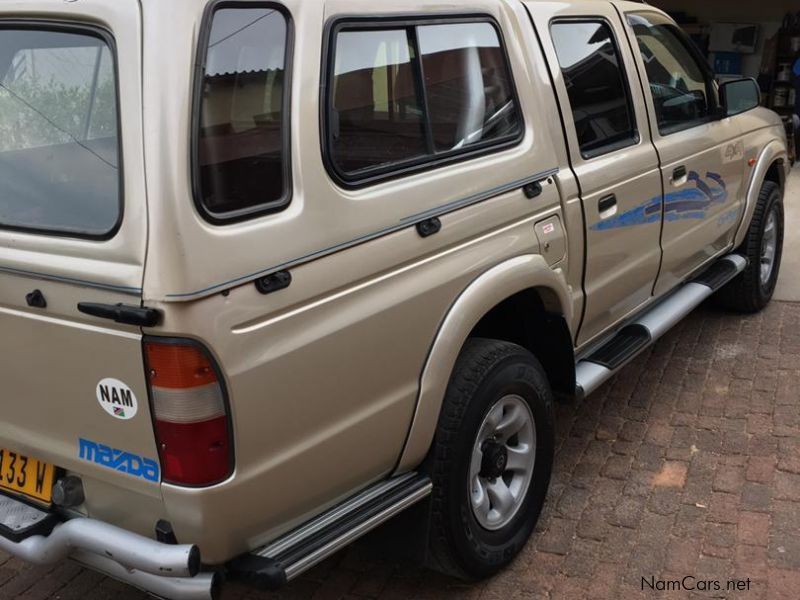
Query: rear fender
point(482, 295)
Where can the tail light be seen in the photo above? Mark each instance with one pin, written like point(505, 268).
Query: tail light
point(189, 412)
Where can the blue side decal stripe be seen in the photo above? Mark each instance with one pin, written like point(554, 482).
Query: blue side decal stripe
point(692, 203)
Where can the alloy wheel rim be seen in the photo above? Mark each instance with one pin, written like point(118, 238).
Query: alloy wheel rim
point(769, 246)
point(503, 459)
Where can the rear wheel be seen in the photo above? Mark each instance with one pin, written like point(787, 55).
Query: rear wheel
point(752, 290)
point(491, 460)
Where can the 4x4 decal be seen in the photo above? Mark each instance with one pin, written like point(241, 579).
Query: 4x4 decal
point(118, 460)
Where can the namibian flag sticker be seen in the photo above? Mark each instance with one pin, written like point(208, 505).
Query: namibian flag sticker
point(119, 412)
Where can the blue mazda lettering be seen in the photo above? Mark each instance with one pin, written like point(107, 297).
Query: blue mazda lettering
point(118, 460)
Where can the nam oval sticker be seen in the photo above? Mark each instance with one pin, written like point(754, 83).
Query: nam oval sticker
point(117, 399)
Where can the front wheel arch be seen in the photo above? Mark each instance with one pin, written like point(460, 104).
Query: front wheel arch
point(771, 165)
point(751, 291)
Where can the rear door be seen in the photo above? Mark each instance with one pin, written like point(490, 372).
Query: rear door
point(611, 153)
point(702, 156)
point(72, 230)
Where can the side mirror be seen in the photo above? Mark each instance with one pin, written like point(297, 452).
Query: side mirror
point(739, 96)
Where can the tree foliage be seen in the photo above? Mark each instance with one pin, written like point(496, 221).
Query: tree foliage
point(37, 111)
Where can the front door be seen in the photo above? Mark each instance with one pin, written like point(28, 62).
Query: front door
point(611, 154)
point(701, 155)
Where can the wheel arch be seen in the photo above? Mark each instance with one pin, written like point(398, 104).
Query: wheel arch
point(490, 305)
point(776, 173)
point(529, 320)
point(770, 166)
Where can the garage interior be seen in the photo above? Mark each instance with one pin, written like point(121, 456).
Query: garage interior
point(748, 39)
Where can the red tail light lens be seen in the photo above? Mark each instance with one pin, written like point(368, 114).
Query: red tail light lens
point(190, 414)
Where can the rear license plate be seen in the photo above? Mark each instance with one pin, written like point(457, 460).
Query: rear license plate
point(26, 476)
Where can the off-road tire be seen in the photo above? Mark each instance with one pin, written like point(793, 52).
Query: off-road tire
point(746, 293)
point(486, 371)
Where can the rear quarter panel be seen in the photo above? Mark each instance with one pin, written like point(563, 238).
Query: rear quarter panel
point(323, 377)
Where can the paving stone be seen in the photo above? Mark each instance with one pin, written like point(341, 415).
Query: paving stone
point(784, 541)
point(756, 497)
point(573, 501)
point(558, 537)
point(720, 534)
point(617, 466)
point(728, 479)
point(682, 555)
point(751, 561)
point(783, 584)
point(753, 528)
point(627, 513)
point(760, 469)
point(787, 486)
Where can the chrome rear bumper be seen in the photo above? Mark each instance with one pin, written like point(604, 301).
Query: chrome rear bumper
point(170, 571)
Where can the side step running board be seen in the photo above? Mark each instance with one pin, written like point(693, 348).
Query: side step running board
point(625, 345)
point(603, 363)
point(272, 566)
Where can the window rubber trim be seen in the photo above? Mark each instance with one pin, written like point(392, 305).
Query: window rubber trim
point(267, 208)
point(622, 142)
point(370, 177)
point(105, 35)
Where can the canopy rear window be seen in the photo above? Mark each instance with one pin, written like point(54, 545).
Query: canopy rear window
point(59, 139)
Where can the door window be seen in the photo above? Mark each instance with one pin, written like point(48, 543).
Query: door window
point(683, 91)
point(409, 95)
point(597, 86)
point(59, 147)
point(468, 88)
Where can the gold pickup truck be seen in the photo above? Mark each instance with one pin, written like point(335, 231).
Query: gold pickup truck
point(272, 273)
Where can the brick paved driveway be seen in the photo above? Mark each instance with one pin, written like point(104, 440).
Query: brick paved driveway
point(687, 463)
